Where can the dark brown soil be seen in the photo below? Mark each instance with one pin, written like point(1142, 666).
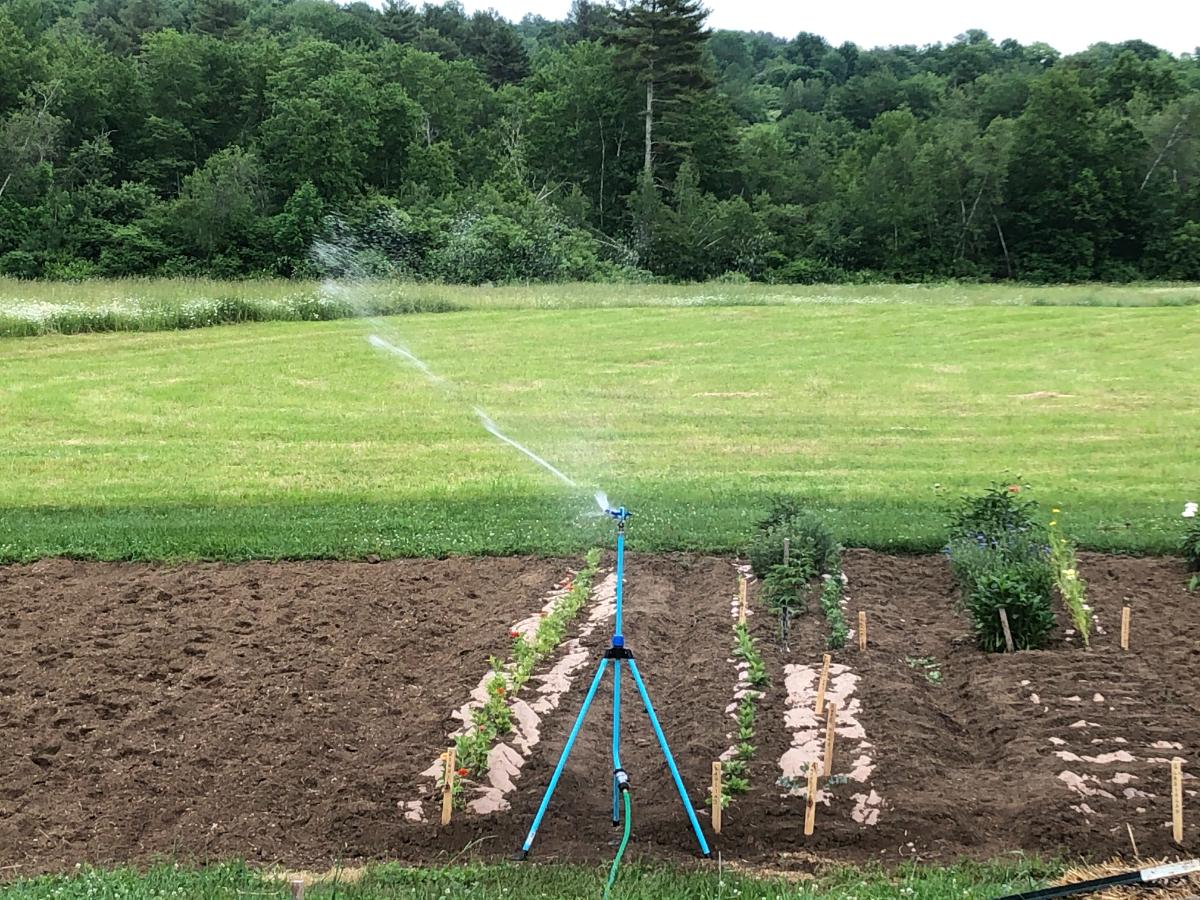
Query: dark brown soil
point(281, 711)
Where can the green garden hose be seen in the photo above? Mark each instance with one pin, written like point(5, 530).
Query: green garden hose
point(612, 873)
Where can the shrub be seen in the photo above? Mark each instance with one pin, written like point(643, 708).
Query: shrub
point(1024, 555)
point(1001, 509)
point(1191, 547)
point(812, 545)
point(1000, 556)
point(1030, 618)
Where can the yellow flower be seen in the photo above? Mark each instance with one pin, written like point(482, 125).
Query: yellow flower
point(1069, 574)
point(1062, 540)
point(1056, 510)
point(1052, 523)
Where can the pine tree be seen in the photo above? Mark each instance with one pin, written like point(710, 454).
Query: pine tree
point(662, 44)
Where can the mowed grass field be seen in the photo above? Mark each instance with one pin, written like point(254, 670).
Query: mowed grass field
point(299, 439)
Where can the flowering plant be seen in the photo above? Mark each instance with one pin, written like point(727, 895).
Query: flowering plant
point(1191, 540)
point(1070, 586)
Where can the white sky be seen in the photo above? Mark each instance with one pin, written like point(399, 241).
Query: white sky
point(1068, 25)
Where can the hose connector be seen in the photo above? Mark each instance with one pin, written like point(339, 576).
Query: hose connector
point(621, 779)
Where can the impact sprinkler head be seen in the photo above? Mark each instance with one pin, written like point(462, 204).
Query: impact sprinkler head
point(621, 514)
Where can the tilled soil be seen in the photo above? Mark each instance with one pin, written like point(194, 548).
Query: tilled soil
point(282, 712)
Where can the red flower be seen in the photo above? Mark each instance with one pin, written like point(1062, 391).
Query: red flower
point(1014, 489)
point(463, 773)
point(500, 690)
point(514, 633)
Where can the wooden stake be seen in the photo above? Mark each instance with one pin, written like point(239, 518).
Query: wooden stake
point(716, 797)
point(1132, 842)
point(1177, 799)
point(787, 550)
point(297, 889)
point(1126, 615)
point(448, 785)
point(862, 630)
point(1008, 641)
point(823, 683)
point(830, 733)
point(810, 805)
point(742, 600)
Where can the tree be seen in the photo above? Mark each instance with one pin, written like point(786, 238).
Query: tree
point(661, 43)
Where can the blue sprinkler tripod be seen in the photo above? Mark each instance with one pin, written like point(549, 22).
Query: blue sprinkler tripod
point(616, 654)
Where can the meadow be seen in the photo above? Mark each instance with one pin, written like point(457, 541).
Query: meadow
point(691, 405)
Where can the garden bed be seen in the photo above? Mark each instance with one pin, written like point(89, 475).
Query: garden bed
point(283, 712)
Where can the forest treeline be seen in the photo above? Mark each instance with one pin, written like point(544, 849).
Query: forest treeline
point(304, 137)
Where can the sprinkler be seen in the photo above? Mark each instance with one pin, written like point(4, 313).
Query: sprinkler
point(617, 654)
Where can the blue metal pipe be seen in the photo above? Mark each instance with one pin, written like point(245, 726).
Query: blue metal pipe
point(562, 760)
point(620, 582)
point(616, 739)
point(662, 742)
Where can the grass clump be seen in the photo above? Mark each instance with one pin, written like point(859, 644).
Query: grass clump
point(1001, 559)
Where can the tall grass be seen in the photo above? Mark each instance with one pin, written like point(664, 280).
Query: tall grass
point(37, 308)
point(150, 312)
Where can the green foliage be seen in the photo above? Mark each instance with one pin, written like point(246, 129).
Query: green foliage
point(999, 555)
point(520, 150)
point(745, 650)
point(735, 771)
point(812, 548)
point(835, 616)
point(1190, 548)
point(1071, 588)
point(785, 590)
point(999, 510)
point(1023, 598)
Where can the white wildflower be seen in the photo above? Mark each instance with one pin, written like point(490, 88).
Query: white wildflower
point(1190, 510)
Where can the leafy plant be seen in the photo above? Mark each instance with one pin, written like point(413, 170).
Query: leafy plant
point(999, 510)
point(745, 650)
point(1190, 548)
point(929, 667)
point(1026, 605)
point(831, 606)
point(811, 544)
point(1071, 588)
point(1021, 553)
point(784, 591)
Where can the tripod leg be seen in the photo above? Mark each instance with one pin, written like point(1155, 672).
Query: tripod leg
point(562, 760)
point(662, 742)
point(616, 743)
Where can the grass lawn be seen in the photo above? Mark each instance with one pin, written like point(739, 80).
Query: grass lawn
point(528, 880)
point(299, 439)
